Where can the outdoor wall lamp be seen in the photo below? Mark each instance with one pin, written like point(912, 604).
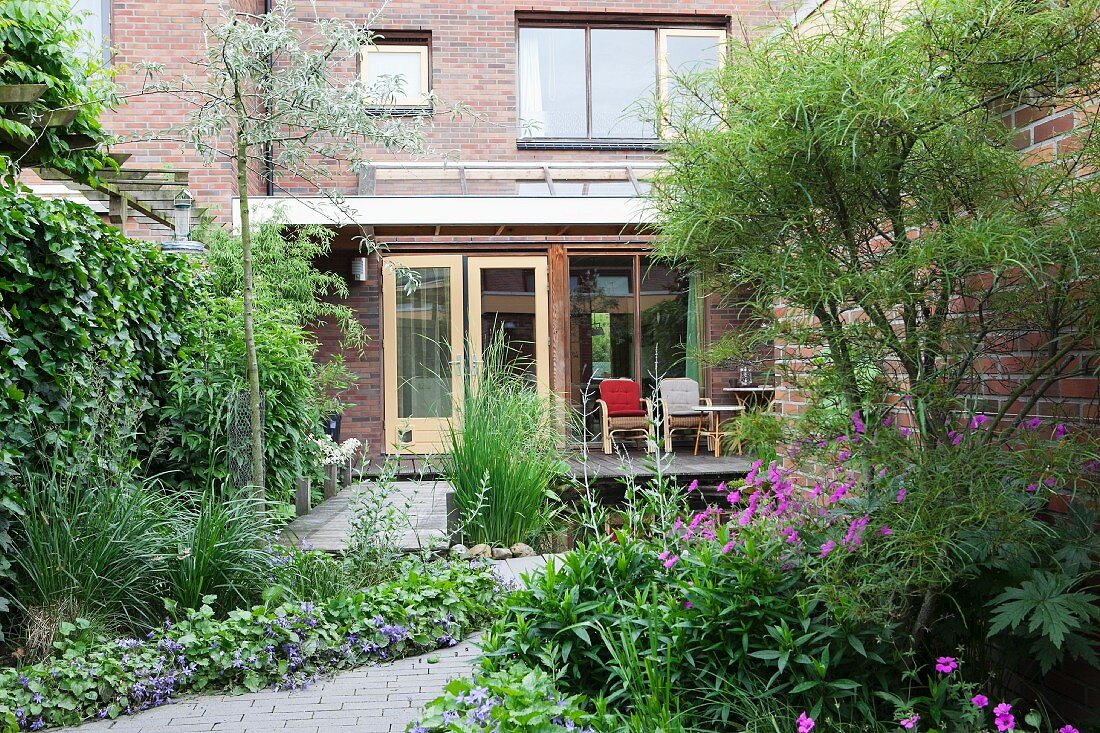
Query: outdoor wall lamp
point(359, 269)
point(181, 242)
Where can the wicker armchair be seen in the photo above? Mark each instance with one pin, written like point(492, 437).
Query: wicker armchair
point(624, 414)
point(678, 397)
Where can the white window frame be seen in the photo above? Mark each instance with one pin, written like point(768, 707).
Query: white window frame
point(418, 48)
point(663, 34)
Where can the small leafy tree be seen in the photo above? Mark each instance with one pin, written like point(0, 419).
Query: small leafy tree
point(860, 175)
point(278, 89)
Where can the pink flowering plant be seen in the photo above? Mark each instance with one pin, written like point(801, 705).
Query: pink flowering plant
point(961, 524)
point(820, 599)
point(952, 703)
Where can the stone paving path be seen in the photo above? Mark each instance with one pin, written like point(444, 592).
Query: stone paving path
point(381, 699)
point(328, 526)
point(378, 699)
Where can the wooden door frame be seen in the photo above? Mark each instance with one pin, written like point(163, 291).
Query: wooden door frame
point(434, 428)
point(465, 313)
point(538, 263)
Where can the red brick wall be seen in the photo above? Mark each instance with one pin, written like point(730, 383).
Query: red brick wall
point(473, 60)
point(167, 32)
point(364, 417)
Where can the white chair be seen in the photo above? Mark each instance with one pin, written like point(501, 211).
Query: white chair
point(678, 397)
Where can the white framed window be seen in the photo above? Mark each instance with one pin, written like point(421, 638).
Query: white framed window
point(593, 81)
point(687, 51)
point(95, 20)
point(398, 72)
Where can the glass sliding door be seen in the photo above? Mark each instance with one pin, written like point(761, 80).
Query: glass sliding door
point(423, 349)
point(629, 317)
point(663, 304)
point(440, 313)
point(509, 299)
point(601, 323)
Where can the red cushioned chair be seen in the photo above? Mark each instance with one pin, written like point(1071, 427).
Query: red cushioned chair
point(624, 413)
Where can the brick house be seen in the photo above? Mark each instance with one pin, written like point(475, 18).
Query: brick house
point(525, 218)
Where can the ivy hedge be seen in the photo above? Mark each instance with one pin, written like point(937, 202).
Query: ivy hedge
point(281, 645)
point(87, 317)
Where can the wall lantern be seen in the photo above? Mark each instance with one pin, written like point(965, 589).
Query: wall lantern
point(181, 242)
point(359, 269)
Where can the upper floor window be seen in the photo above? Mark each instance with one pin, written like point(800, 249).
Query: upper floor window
point(592, 82)
point(95, 21)
point(399, 73)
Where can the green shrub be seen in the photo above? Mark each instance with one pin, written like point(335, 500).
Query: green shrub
point(89, 545)
point(758, 433)
point(87, 316)
point(206, 410)
point(700, 641)
point(286, 645)
point(513, 700)
point(305, 575)
point(501, 453)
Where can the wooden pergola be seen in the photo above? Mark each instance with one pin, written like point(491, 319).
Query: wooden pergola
point(142, 195)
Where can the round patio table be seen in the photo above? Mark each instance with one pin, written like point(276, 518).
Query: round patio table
point(713, 416)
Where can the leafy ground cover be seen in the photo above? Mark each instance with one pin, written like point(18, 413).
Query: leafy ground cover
point(281, 644)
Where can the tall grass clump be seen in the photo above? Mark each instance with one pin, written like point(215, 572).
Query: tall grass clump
point(220, 551)
point(503, 453)
point(89, 544)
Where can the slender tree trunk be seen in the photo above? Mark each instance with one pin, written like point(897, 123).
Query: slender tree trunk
point(258, 472)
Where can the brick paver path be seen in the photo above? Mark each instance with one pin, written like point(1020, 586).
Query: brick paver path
point(380, 699)
point(328, 526)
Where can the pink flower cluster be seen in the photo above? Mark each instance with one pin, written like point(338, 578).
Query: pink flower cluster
point(1003, 718)
point(805, 723)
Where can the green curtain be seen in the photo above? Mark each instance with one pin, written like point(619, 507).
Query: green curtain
point(691, 345)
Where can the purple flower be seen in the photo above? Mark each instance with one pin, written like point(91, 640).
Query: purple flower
point(1034, 423)
point(1060, 431)
point(687, 604)
point(946, 665)
point(1068, 729)
point(901, 495)
point(979, 701)
point(805, 723)
point(885, 530)
point(905, 432)
point(909, 723)
point(1032, 488)
point(857, 422)
point(729, 546)
point(693, 486)
point(956, 437)
point(672, 560)
point(827, 548)
point(977, 421)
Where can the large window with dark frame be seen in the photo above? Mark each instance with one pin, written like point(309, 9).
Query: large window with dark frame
point(592, 81)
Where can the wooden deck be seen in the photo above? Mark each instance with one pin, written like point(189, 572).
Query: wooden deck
point(601, 468)
point(420, 487)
